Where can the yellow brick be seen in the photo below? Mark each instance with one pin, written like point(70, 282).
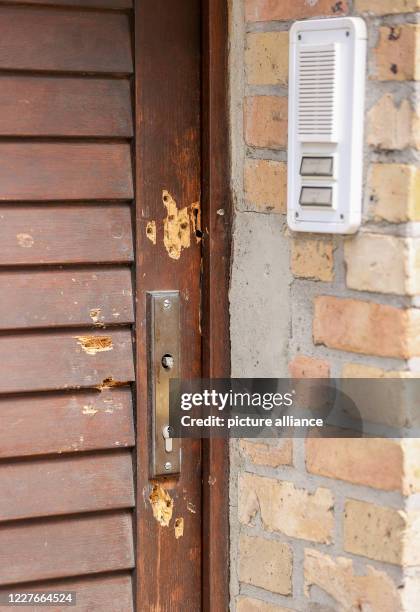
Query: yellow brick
point(312, 258)
point(389, 404)
point(394, 192)
point(266, 58)
point(286, 509)
point(358, 370)
point(380, 263)
point(411, 448)
point(387, 7)
point(392, 125)
point(397, 53)
point(411, 593)
point(381, 533)
point(265, 185)
point(348, 587)
point(272, 455)
point(266, 564)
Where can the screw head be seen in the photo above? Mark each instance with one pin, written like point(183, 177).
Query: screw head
point(168, 466)
point(167, 362)
point(167, 304)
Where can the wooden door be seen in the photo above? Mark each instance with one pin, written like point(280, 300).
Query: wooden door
point(99, 203)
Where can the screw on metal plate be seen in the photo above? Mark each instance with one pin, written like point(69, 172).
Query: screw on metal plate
point(167, 304)
point(168, 466)
point(168, 362)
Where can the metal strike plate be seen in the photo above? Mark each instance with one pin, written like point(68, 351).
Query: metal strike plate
point(163, 326)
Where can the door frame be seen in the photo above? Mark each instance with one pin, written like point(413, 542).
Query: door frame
point(217, 215)
point(215, 263)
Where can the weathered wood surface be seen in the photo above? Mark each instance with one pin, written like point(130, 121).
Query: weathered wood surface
point(215, 282)
point(105, 4)
point(33, 235)
point(44, 39)
point(97, 296)
point(65, 360)
point(66, 485)
point(65, 423)
point(49, 171)
point(105, 593)
point(71, 546)
point(54, 106)
point(66, 307)
point(168, 148)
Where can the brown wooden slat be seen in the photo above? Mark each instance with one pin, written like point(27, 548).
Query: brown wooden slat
point(50, 361)
point(77, 41)
point(109, 593)
point(106, 4)
point(66, 485)
point(65, 171)
point(54, 548)
point(66, 234)
point(59, 298)
point(65, 423)
point(51, 106)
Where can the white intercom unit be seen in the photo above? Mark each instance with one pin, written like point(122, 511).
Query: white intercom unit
point(326, 116)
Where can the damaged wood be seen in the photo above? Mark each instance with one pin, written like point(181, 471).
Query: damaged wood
point(162, 505)
point(94, 314)
point(25, 240)
point(151, 231)
point(176, 227)
point(95, 344)
point(179, 527)
point(196, 220)
point(89, 410)
point(41, 361)
point(110, 383)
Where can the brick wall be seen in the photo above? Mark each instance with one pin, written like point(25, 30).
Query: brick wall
point(325, 525)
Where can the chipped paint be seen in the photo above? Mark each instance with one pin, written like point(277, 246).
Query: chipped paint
point(88, 409)
point(162, 505)
point(212, 480)
point(25, 240)
point(94, 314)
point(151, 231)
point(179, 527)
point(176, 227)
point(109, 383)
point(95, 344)
point(191, 507)
point(196, 220)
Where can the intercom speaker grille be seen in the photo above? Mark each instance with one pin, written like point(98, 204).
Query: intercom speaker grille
point(317, 92)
